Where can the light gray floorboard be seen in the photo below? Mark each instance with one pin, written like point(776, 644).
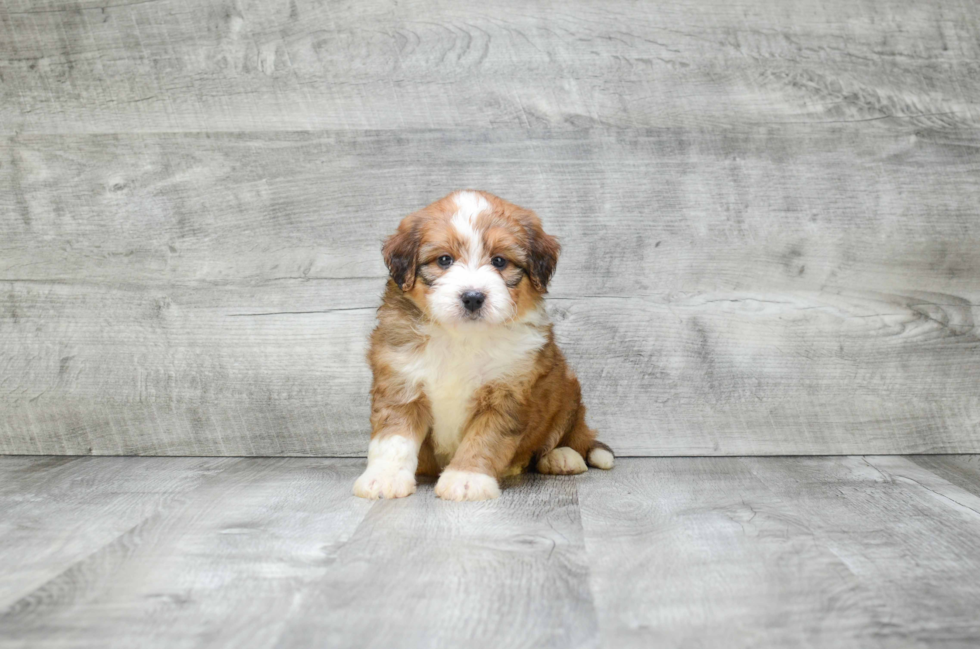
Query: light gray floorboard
point(835, 552)
point(98, 66)
point(421, 572)
point(58, 512)
point(736, 552)
point(220, 567)
point(788, 290)
point(962, 470)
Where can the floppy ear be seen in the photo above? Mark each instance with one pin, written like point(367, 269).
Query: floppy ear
point(543, 250)
point(400, 251)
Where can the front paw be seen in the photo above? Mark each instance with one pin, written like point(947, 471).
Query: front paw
point(466, 485)
point(384, 482)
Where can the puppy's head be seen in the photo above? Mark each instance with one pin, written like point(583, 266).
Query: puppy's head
point(472, 259)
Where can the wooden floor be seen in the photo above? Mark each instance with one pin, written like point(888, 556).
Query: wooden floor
point(717, 552)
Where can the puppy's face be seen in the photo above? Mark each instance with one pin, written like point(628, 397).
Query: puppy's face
point(472, 259)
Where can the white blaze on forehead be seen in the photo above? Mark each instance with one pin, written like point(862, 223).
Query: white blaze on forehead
point(469, 205)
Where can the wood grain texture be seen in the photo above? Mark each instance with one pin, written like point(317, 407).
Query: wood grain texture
point(258, 553)
point(421, 572)
point(961, 470)
point(221, 566)
point(794, 289)
point(58, 512)
point(211, 66)
point(815, 552)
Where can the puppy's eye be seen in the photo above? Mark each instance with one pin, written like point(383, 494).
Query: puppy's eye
point(445, 261)
point(498, 262)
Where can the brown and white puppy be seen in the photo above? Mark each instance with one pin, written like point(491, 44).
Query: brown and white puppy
point(469, 384)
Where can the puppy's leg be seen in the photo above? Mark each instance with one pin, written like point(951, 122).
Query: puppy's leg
point(393, 454)
point(582, 440)
point(488, 446)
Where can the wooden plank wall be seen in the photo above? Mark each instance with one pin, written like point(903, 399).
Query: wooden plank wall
point(770, 213)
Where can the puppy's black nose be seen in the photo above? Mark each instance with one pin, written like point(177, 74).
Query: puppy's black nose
point(472, 300)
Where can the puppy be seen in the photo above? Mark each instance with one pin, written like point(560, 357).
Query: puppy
point(469, 384)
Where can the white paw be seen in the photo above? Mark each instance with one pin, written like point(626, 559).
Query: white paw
point(466, 485)
point(600, 458)
point(385, 482)
point(562, 461)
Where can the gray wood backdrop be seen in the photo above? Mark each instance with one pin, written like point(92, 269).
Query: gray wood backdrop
point(770, 212)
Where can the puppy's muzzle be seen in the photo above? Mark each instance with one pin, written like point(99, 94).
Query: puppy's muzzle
point(472, 300)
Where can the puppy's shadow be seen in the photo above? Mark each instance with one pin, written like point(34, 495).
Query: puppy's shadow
point(509, 482)
point(427, 480)
point(515, 481)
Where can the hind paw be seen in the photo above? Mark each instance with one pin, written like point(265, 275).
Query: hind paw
point(600, 458)
point(562, 461)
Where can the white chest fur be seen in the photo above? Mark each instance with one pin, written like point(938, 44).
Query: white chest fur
point(454, 364)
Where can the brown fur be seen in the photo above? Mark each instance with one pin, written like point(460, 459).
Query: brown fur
point(512, 421)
